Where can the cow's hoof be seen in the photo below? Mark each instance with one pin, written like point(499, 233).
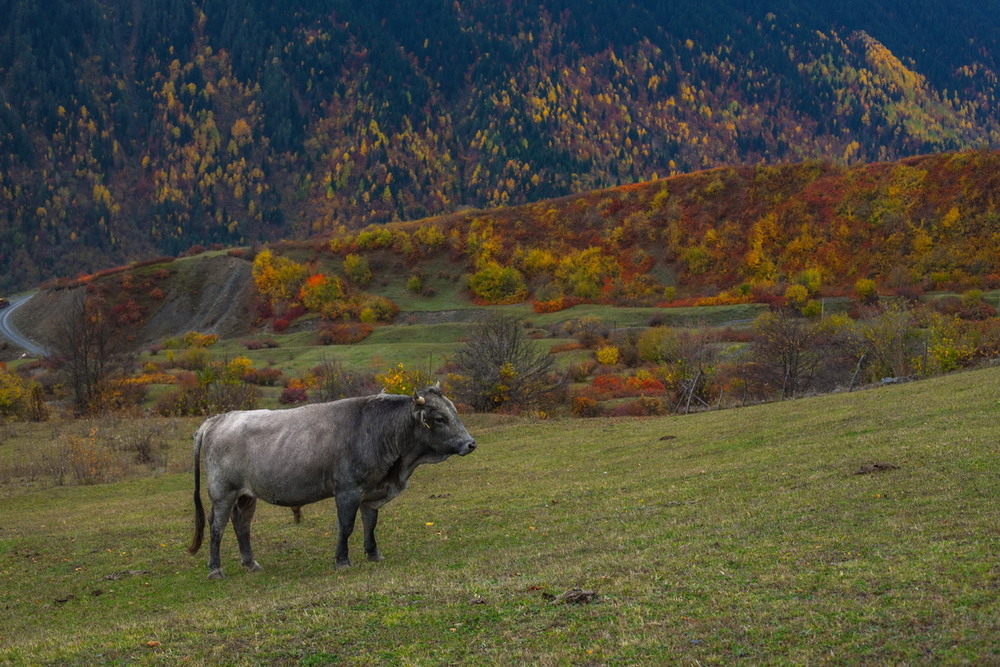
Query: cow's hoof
point(215, 574)
point(375, 557)
point(253, 567)
point(343, 565)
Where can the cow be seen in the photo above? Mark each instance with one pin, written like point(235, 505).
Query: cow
point(361, 451)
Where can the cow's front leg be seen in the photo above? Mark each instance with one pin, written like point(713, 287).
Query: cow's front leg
point(369, 518)
point(347, 512)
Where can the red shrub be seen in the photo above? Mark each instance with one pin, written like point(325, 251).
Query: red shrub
point(612, 385)
point(293, 395)
point(129, 313)
point(634, 386)
point(265, 377)
point(294, 312)
point(260, 344)
point(279, 325)
point(644, 407)
point(344, 333)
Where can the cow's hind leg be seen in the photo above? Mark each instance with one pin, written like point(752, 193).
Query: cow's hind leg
point(369, 519)
point(218, 517)
point(243, 513)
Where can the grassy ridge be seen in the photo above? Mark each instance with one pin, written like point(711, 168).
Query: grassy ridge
point(737, 534)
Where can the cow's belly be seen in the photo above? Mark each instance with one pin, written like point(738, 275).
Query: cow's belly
point(290, 491)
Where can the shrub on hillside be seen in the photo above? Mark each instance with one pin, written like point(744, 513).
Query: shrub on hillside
point(334, 381)
point(502, 369)
point(584, 406)
point(293, 396)
point(498, 284)
point(970, 306)
point(260, 343)
point(643, 407)
point(264, 377)
point(357, 270)
point(607, 355)
point(552, 306)
point(20, 398)
point(214, 389)
point(580, 372)
point(345, 333)
point(319, 291)
point(402, 380)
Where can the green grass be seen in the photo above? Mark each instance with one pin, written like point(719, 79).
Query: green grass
point(712, 538)
point(417, 345)
point(419, 340)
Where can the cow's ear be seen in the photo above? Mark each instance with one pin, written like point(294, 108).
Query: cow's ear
point(418, 399)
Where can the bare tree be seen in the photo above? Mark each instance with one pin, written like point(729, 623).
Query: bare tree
point(336, 381)
point(787, 346)
point(501, 367)
point(89, 348)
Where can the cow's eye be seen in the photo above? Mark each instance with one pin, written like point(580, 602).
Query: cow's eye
point(440, 420)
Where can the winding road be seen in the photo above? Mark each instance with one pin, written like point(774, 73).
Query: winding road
point(8, 331)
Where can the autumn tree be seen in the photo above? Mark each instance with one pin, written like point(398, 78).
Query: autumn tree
point(90, 349)
point(277, 278)
point(498, 284)
point(357, 269)
point(319, 292)
point(501, 368)
point(20, 398)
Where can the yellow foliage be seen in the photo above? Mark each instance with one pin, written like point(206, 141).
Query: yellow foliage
point(13, 393)
point(400, 380)
point(607, 355)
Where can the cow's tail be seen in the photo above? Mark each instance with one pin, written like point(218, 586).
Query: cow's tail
point(199, 509)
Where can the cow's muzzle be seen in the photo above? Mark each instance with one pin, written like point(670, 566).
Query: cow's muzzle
point(466, 447)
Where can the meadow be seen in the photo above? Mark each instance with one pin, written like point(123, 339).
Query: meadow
point(849, 528)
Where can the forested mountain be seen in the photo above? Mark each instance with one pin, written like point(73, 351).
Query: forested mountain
point(136, 127)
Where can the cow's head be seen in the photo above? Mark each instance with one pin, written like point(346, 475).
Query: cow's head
point(437, 423)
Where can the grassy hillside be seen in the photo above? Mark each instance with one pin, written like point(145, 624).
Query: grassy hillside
point(722, 236)
point(737, 534)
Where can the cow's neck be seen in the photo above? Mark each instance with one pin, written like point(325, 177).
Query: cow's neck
point(416, 456)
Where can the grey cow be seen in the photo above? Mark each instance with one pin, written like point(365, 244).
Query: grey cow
point(360, 451)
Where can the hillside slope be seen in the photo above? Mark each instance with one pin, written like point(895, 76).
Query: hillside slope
point(721, 236)
point(133, 128)
point(209, 293)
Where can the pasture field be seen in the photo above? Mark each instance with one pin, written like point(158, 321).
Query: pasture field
point(764, 534)
point(423, 340)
